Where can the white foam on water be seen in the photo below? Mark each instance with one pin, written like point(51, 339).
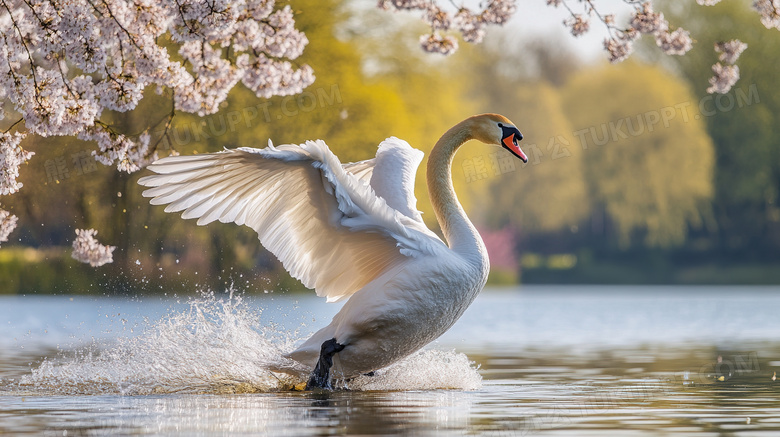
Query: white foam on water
point(219, 345)
point(425, 370)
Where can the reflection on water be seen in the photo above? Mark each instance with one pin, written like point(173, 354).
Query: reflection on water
point(607, 404)
point(552, 362)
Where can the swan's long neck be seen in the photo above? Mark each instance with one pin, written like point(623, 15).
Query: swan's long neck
point(460, 233)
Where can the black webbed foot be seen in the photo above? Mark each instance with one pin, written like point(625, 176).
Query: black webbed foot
point(320, 377)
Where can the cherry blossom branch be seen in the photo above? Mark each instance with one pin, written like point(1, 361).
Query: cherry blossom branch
point(65, 79)
point(44, 25)
point(167, 127)
point(114, 51)
point(678, 42)
point(619, 44)
point(26, 49)
point(470, 24)
point(113, 17)
point(10, 66)
point(183, 20)
point(13, 125)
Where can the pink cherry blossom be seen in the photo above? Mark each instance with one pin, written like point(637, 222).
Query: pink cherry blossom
point(578, 24)
point(88, 250)
point(619, 49)
point(471, 24)
point(435, 43)
point(730, 50)
point(7, 224)
point(11, 157)
point(645, 20)
point(769, 11)
point(63, 62)
point(674, 43)
point(725, 77)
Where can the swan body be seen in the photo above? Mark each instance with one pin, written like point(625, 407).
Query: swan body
point(349, 231)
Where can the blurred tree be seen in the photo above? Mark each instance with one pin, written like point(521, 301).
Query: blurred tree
point(241, 41)
point(742, 126)
point(547, 194)
point(647, 159)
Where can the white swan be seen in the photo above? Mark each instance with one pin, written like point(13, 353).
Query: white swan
point(350, 231)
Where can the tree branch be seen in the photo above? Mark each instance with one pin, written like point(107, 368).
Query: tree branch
point(13, 125)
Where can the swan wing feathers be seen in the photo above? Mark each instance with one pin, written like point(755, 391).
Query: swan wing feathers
point(391, 175)
point(327, 226)
point(361, 169)
point(394, 174)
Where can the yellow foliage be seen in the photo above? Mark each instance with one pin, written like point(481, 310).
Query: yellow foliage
point(548, 193)
point(648, 158)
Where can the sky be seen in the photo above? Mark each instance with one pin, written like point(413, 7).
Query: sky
point(534, 18)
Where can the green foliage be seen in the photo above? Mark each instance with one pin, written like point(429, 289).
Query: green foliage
point(742, 126)
point(28, 270)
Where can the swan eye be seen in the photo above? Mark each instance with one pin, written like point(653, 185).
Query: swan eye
point(500, 125)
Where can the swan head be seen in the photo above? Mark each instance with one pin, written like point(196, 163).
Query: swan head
point(499, 130)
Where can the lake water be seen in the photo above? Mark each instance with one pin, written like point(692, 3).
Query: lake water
point(599, 361)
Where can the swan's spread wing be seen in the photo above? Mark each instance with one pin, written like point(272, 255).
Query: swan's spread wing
point(394, 174)
point(326, 226)
point(391, 175)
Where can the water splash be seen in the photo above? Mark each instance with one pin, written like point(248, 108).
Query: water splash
point(426, 370)
point(220, 345)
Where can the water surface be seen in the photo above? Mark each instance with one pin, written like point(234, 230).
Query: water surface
point(534, 360)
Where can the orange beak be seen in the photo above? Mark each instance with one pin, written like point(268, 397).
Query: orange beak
point(510, 142)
